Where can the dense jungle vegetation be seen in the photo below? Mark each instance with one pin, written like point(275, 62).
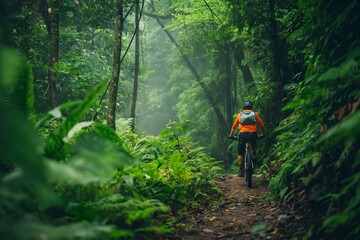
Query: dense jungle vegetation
point(114, 114)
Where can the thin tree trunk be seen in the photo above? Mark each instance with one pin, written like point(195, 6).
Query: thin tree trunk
point(51, 18)
point(234, 79)
point(136, 73)
point(218, 113)
point(116, 65)
point(54, 50)
point(229, 100)
point(245, 70)
point(275, 44)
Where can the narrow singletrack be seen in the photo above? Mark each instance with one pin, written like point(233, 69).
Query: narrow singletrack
point(243, 213)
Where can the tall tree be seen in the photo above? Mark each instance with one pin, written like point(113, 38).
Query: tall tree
point(114, 82)
point(136, 73)
point(51, 18)
point(245, 69)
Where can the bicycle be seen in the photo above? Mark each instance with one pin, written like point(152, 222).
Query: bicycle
point(248, 160)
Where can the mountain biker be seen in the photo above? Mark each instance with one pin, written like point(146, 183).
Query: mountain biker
point(248, 120)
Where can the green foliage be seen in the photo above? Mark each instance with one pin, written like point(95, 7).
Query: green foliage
point(317, 146)
point(172, 169)
point(109, 185)
point(54, 149)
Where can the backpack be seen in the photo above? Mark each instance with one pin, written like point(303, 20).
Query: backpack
point(248, 118)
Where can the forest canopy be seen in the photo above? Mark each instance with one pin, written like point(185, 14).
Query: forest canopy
point(115, 114)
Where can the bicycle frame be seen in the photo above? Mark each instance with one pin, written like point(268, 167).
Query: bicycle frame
point(248, 162)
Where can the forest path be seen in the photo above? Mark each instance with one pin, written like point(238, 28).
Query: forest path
point(242, 211)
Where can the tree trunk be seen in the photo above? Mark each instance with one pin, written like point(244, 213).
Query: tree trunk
point(228, 96)
point(245, 70)
point(275, 45)
point(116, 65)
point(218, 113)
point(51, 18)
point(136, 73)
point(54, 51)
point(229, 100)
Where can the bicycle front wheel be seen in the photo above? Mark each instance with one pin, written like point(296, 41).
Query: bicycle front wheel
point(249, 169)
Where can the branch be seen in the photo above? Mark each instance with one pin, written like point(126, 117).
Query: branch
point(212, 10)
point(129, 11)
point(136, 29)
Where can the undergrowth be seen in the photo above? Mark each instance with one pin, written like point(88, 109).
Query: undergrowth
point(63, 177)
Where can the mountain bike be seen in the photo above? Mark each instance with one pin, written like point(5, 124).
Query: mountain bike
point(249, 163)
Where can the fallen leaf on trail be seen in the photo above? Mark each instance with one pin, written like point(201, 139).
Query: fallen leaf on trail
point(272, 209)
point(212, 219)
point(275, 231)
point(231, 224)
point(282, 217)
point(268, 217)
point(239, 221)
point(227, 210)
point(231, 208)
point(221, 235)
point(258, 228)
point(252, 215)
point(208, 230)
point(236, 229)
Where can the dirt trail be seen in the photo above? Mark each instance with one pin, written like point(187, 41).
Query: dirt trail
point(241, 212)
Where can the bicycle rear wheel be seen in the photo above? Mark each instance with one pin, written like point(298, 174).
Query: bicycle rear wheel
point(248, 169)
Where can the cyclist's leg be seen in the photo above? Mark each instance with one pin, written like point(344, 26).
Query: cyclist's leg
point(253, 142)
point(240, 160)
point(241, 151)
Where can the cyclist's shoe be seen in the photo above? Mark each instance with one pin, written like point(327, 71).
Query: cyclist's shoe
point(241, 172)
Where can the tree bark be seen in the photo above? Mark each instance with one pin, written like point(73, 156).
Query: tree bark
point(245, 70)
point(116, 65)
point(228, 96)
point(136, 73)
point(208, 95)
point(229, 100)
point(275, 44)
point(54, 51)
point(51, 18)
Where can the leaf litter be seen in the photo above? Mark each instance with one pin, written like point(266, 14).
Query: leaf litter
point(242, 213)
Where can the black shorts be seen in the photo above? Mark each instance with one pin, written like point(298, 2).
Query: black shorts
point(246, 137)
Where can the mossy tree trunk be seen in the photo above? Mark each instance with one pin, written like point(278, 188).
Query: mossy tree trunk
point(114, 82)
point(51, 18)
point(136, 71)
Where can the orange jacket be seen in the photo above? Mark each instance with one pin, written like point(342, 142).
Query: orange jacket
point(250, 127)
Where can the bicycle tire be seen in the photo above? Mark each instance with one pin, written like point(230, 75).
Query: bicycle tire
point(249, 168)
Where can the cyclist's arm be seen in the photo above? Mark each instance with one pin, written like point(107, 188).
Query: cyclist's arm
point(236, 123)
point(260, 124)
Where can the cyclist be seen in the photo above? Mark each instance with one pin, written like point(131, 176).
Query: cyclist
point(248, 120)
